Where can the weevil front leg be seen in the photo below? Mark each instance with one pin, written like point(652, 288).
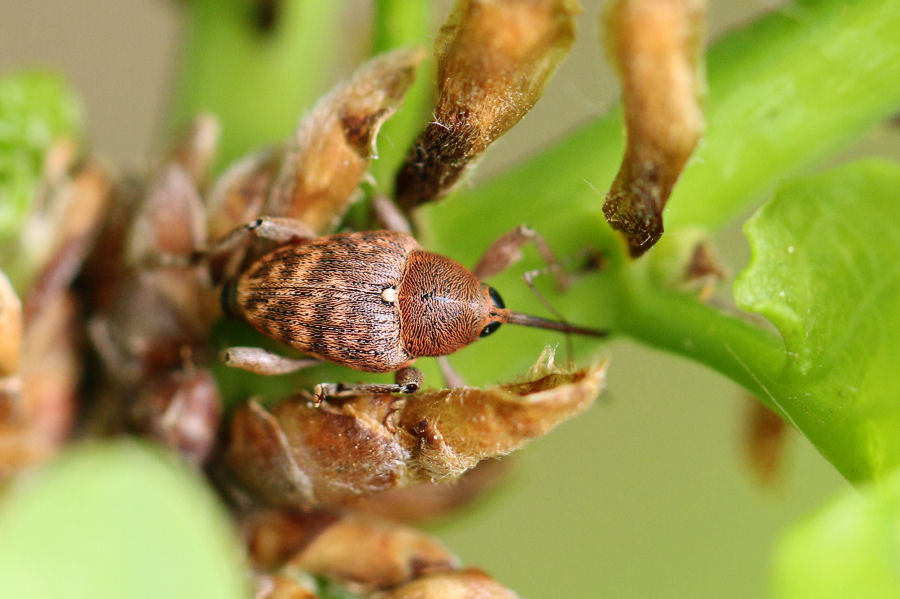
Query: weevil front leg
point(260, 361)
point(406, 380)
point(507, 251)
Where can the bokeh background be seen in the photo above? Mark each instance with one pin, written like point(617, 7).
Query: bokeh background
point(647, 495)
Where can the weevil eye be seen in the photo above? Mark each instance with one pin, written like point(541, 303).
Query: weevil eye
point(490, 328)
point(496, 300)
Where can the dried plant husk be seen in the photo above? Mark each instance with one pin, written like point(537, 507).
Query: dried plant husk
point(238, 196)
point(469, 583)
point(299, 455)
point(656, 46)
point(494, 59)
point(331, 150)
point(358, 551)
point(428, 501)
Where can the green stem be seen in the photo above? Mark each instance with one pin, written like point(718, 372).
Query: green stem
point(257, 76)
point(675, 322)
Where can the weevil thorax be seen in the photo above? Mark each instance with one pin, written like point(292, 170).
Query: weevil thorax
point(443, 306)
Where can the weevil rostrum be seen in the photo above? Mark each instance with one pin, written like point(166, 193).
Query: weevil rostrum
point(373, 301)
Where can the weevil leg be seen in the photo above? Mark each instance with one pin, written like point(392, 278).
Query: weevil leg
point(406, 380)
point(389, 215)
point(260, 361)
point(506, 251)
point(451, 378)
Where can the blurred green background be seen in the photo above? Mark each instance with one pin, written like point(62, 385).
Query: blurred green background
point(647, 495)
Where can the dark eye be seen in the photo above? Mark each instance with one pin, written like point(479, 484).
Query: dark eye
point(496, 300)
point(491, 327)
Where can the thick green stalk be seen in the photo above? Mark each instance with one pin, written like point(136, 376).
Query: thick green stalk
point(256, 70)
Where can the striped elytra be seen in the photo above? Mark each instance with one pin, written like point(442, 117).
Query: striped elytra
point(372, 301)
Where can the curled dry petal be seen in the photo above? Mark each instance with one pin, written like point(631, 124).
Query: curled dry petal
point(494, 59)
point(10, 328)
point(332, 148)
point(656, 46)
point(300, 455)
point(470, 583)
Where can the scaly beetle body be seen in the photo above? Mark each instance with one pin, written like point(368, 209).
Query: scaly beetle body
point(372, 300)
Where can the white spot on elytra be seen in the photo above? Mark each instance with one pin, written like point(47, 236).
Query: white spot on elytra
point(389, 294)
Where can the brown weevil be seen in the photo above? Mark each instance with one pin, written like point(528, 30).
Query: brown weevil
point(373, 301)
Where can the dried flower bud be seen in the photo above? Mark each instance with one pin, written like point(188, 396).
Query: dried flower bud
point(461, 584)
point(372, 553)
point(197, 148)
point(300, 456)
point(181, 409)
point(239, 194)
point(494, 59)
point(656, 46)
point(169, 220)
point(332, 148)
point(66, 230)
point(10, 328)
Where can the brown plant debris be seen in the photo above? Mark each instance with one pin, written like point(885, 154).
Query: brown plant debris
point(494, 59)
point(470, 583)
point(704, 271)
point(333, 146)
point(299, 455)
point(10, 328)
point(355, 550)
point(656, 46)
point(765, 435)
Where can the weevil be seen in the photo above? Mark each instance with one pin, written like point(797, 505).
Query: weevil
point(373, 301)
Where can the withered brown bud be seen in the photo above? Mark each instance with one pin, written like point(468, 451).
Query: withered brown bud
point(656, 46)
point(169, 220)
point(494, 59)
point(372, 553)
point(331, 150)
point(181, 410)
point(704, 271)
point(10, 328)
point(197, 147)
point(300, 455)
point(66, 229)
point(461, 584)
point(239, 194)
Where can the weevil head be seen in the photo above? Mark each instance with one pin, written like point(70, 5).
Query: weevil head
point(444, 307)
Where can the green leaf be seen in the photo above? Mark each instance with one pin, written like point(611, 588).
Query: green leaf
point(36, 108)
point(850, 548)
point(825, 272)
point(116, 520)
